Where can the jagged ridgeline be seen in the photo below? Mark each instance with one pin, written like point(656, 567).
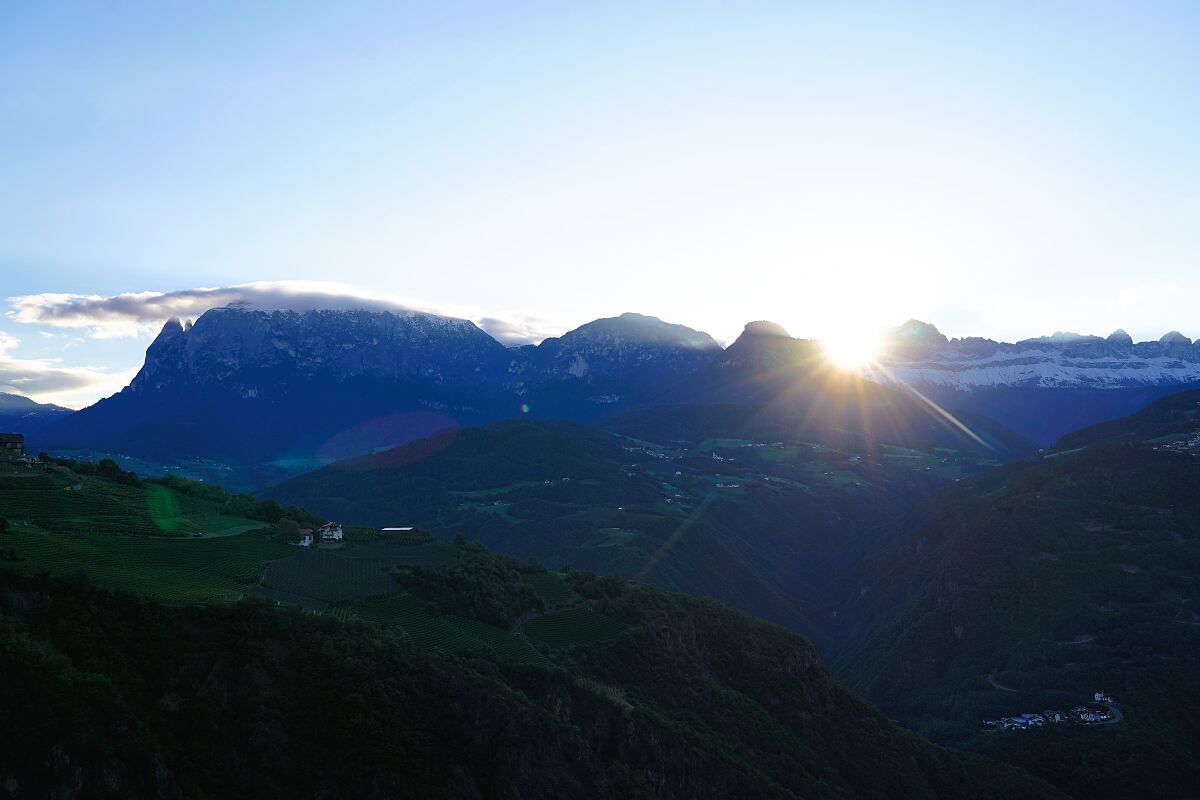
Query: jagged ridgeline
point(285, 389)
point(470, 675)
point(253, 386)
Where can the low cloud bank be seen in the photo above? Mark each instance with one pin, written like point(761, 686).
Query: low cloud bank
point(46, 380)
point(139, 313)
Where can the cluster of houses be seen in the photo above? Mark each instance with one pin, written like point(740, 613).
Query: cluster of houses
point(1085, 714)
point(1025, 721)
point(329, 532)
point(652, 453)
point(1191, 445)
point(1079, 714)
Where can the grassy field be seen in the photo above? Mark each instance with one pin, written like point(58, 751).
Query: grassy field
point(172, 570)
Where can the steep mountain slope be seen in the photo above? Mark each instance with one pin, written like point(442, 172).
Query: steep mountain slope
point(611, 364)
point(1043, 387)
point(1031, 586)
point(111, 694)
point(252, 385)
point(22, 415)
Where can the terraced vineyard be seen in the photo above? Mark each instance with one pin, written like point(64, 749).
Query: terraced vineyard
point(550, 586)
point(327, 576)
point(172, 570)
point(318, 578)
point(63, 502)
point(431, 554)
point(572, 626)
point(446, 634)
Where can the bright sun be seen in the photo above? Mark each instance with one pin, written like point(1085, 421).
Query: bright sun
point(852, 349)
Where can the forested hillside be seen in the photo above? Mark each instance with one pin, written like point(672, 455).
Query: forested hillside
point(1032, 586)
point(671, 697)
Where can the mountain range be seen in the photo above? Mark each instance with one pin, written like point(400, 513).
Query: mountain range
point(254, 386)
point(22, 415)
point(1043, 387)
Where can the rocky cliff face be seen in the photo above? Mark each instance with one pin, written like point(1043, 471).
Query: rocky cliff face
point(918, 354)
point(253, 384)
point(227, 344)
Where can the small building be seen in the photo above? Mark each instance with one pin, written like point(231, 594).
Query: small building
point(12, 444)
point(331, 532)
point(306, 537)
point(1101, 697)
point(396, 530)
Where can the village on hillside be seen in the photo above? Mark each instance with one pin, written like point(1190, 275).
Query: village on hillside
point(1100, 712)
point(1189, 445)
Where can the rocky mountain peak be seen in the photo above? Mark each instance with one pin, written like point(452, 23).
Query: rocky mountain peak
point(640, 328)
point(915, 335)
point(765, 328)
point(607, 347)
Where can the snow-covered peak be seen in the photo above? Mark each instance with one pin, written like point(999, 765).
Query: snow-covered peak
point(1062, 359)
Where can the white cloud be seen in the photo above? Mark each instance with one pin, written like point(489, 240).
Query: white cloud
point(141, 313)
point(46, 380)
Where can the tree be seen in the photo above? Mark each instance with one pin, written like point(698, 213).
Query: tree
point(286, 530)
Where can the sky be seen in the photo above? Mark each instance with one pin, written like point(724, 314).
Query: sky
point(998, 169)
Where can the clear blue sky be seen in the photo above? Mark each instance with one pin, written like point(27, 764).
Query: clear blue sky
point(1003, 169)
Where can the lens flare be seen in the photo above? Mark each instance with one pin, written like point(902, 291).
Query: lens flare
point(852, 349)
point(162, 507)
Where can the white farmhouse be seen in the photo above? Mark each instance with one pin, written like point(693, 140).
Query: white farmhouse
point(331, 532)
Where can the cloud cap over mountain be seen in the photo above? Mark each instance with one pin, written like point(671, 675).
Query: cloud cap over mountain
point(139, 313)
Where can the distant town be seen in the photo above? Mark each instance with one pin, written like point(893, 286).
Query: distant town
point(1101, 711)
point(1190, 445)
